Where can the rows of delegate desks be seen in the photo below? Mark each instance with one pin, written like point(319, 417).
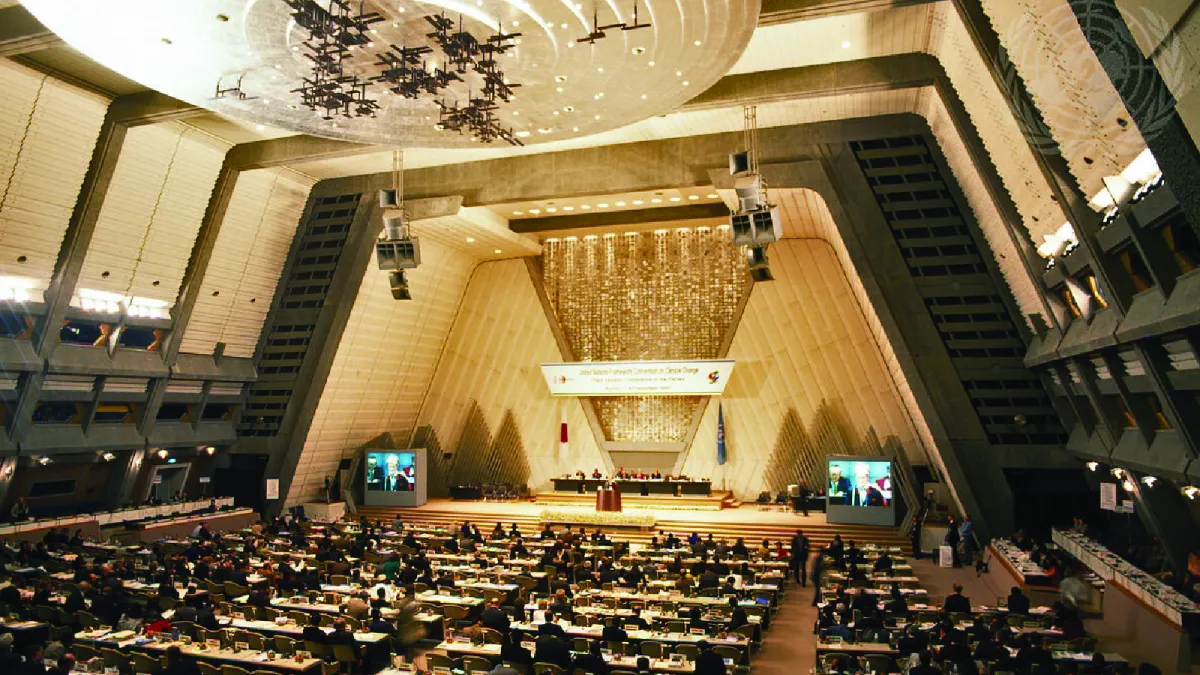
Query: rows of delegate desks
point(922, 611)
point(635, 486)
point(444, 610)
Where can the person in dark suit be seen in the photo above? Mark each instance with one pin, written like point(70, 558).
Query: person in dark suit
point(374, 473)
point(1018, 602)
point(511, 651)
point(737, 615)
point(709, 579)
point(493, 617)
point(553, 649)
point(613, 632)
point(64, 665)
point(708, 662)
point(839, 486)
point(33, 662)
point(591, 662)
point(956, 601)
point(312, 632)
point(799, 558)
point(551, 629)
point(178, 665)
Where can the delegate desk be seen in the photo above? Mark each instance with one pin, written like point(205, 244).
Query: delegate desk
point(631, 486)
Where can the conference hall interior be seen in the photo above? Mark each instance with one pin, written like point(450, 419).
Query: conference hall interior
point(599, 337)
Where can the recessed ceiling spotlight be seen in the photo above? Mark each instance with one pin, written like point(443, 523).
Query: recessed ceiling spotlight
point(674, 199)
point(497, 251)
point(712, 195)
point(277, 66)
point(638, 202)
point(259, 127)
point(697, 43)
point(651, 64)
point(845, 44)
point(535, 211)
point(470, 240)
point(600, 69)
point(643, 97)
point(558, 89)
point(639, 51)
point(693, 197)
point(568, 208)
point(679, 73)
point(602, 205)
point(571, 44)
point(518, 213)
point(561, 25)
point(544, 130)
point(656, 200)
point(685, 83)
point(575, 129)
point(560, 78)
point(522, 134)
point(555, 112)
point(620, 203)
point(516, 23)
point(569, 108)
point(516, 112)
point(586, 207)
point(295, 49)
point(596, 117)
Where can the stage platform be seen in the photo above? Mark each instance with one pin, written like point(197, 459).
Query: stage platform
point(716, 501)
point(742, 521)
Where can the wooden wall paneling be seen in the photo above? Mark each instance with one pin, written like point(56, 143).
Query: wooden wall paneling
point(152, 212)
point(248, 258)
point(488, 402)
point(384, 363)
point(47, 131)
point(809, 380)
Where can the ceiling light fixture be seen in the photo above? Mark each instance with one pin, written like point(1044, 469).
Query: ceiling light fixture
point(620, 203)
point(603, 205)
point(656, 200)
point(693, 197)
point(845, 44)
point(712, 195)
point(674, 199)
point(535, 211)
point(1092, 466)
point(1190, 491)
point(162, 453)
point(1149, 481)
point(497, 251)
point(585, 207)
point(470, 240)
point(638, 202)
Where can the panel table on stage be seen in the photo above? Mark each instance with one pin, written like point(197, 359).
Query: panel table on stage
point(635, 486)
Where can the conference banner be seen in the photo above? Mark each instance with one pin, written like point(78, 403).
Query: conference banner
point(638, 378)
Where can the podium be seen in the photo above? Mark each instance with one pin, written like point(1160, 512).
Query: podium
point(608, 499)
point(320, 512)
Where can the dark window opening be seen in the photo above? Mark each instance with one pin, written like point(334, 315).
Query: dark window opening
point(81, 333)
point(50, 412)
point(52, 488)
point(146, 339)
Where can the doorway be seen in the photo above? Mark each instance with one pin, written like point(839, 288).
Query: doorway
point(167, 481)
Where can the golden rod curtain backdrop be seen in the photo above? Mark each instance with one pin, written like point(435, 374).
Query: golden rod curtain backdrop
point(661, 295)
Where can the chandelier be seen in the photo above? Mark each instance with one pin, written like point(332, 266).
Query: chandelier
point(335, 33)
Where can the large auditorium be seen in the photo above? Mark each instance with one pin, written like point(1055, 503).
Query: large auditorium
point(599, 337)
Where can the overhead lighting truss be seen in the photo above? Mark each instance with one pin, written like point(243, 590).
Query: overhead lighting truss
point(334, 34)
